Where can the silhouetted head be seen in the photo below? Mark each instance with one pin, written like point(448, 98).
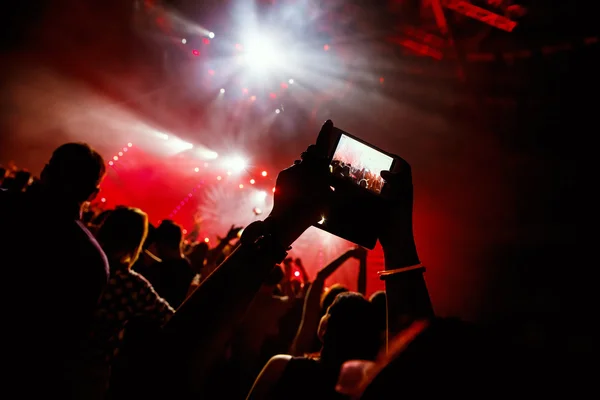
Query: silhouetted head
point(379, 301)
point(349, 330)
point(329, 296)
point(22, 180)
point(122, 234)
point(74, 173)
point(168, 236)
point(198, 255)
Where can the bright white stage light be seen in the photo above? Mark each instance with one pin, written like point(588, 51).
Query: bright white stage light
point(236, 164)
point(222, 91)
point(291, 81)
point(277, 111)
point(184, 41)
point(207, 155)
point(211, 35)
point(261, 195)
point(262, 54)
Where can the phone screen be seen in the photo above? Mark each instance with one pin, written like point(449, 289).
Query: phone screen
point(355, 161)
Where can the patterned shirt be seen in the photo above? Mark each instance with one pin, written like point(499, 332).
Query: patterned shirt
point(127, 295)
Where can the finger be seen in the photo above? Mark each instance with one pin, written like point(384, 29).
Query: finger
point(324, 138)
point(388, 176)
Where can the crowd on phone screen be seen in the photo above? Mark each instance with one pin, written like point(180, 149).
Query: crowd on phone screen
point(360, 176)
point(87, 293)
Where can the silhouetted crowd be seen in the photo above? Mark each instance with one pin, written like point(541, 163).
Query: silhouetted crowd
point(360, 176)
point(103, 305)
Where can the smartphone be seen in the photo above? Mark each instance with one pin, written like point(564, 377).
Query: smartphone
point(355, 166)
point(358, 162)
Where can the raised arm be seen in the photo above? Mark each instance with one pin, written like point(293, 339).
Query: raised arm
point(305, 278)
point(198, 333)
point(312, 305)
point(407, 295)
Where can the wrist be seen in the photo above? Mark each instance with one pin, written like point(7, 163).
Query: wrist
point(285, 231)
point(401, 254)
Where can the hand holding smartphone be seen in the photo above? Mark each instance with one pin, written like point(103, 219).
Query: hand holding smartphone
point(355, 176)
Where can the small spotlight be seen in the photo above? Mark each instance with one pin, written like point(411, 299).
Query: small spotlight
point(206, 240)
point(211, 35)
point(297, 273)
point(183, 41)
point(252, 181)
point(115, 158)
point(129, 144)
point(264, 173)
point(219, 178)
point(322, 221)
point(125, 149)
point(228, 173)
point(222, 91)
point(110, 163)
point(195, 52)
point(253, 98)
point(291, 81)
point(196, 169)
point(120, 153)
point(277, 111)
point(103, 200)
point(241, 186)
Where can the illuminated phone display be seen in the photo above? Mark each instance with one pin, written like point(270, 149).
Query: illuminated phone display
point(357, 162)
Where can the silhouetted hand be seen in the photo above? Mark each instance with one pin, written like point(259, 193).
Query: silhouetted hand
point(302, 192)
point(358, 252)
point(396, 235)
point(233, 233)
